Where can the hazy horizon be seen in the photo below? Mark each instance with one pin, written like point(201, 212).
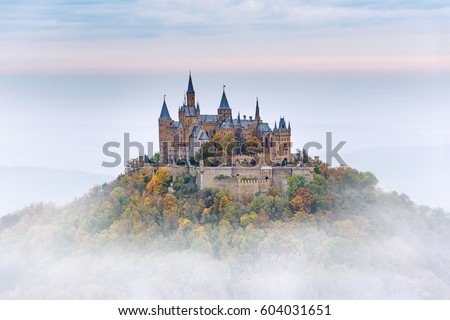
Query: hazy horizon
point(62, 121)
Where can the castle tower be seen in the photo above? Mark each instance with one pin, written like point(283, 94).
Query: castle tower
point(282, 137)
point(224, 110)
point(190, 93)
point(257, 117)
point(164, 121)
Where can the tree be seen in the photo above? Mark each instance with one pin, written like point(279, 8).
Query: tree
point(210, 152)
point(294, 183)
point(156, 158)
point(229, 143)
point(160, 182)
point(170, 212)
point(305, 157)
point(298, 156)
point(320, 191)
point(302, 200)
point(119, 195)
point(251, 146)
point(218, 137)
point(184, 184)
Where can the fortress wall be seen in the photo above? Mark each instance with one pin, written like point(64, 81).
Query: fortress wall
point(239, 188)
point(307, 172)
point(246, 171)
point(176, 170)
point(210, 173)
point(278, 177)
point(281, 174)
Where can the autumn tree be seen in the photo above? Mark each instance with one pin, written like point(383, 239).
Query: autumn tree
point(251, 146)
point(229, 143)
point(170, 212)
point(160, 182)
point(302, 200)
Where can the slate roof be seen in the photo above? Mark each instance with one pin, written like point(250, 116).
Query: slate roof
point(282, 126)
point(195, 131)
point(204, 136)
point(208, 118)
point(237, 123)
point(190, 111)
point(224, 102)
point(263, 127)
point(190, 85)
point(164, 111)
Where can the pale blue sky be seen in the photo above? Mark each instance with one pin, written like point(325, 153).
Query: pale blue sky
point(57, 36)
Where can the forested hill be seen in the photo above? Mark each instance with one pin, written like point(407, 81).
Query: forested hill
point(338, 236)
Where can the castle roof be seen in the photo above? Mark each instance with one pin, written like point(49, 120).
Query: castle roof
point(263, 127)
point(257, 109)
point(224, 101)
point(190, 111)
point(190, 85)
point(208, 118)
point(175, 124)
point(237, 123)
point(282, 126)
point(204, 136)
point(195, 131)
point(164, 111)
point(199, 133)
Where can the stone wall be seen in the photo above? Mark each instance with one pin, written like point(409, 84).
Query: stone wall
point(266, 177)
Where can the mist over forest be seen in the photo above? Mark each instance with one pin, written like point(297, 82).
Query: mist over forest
point(336, 237)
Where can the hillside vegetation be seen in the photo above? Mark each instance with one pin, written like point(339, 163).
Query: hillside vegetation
point(336, 237)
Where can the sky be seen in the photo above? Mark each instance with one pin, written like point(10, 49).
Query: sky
point(77, 74)
point(142, 36)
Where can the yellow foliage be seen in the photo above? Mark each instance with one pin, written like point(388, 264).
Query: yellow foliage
point(217, 137)
point(160, 181)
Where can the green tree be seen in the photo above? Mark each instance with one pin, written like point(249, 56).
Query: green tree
point(294, 183)
point(229, 143)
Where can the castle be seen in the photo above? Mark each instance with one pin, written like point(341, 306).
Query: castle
point(180, 140)
point(182, 146)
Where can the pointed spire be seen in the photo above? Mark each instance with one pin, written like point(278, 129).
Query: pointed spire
point(282, 125)
point(231, 121)
point(224, 101)
point(239, 118)
point(275, 128)
point(164, 111)
point(257, 109)
point(289, 127)
point(190, 85)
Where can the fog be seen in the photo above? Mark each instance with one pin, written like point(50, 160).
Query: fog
point(401, 258)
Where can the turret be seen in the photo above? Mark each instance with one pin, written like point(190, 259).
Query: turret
point(190, 93)
point(164, 121)
point(164, 115)
point(257, 117)
point(224, 110)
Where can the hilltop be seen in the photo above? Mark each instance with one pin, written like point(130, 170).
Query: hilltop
point(337, 236)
